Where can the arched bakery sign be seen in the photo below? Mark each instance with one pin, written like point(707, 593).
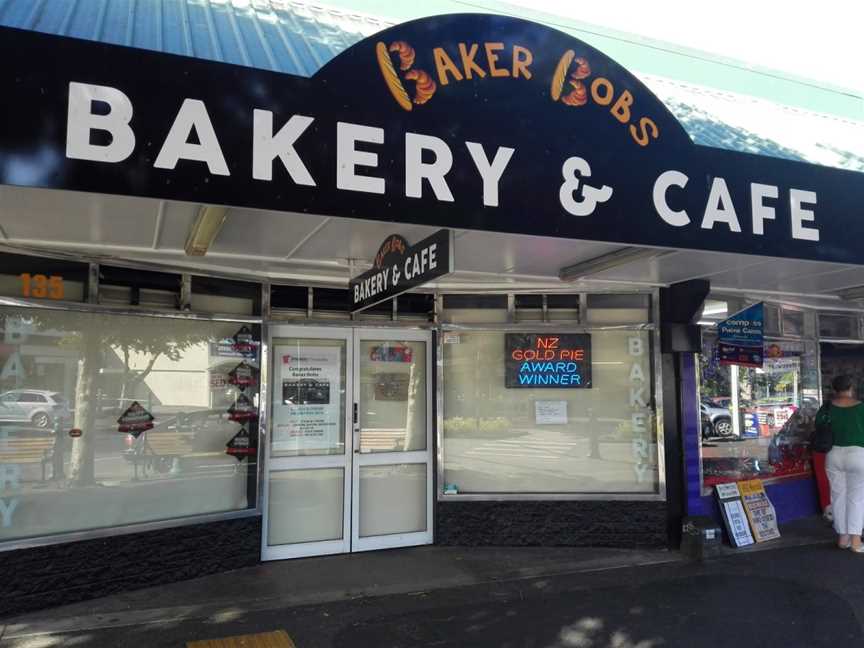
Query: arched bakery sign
point(462, 121)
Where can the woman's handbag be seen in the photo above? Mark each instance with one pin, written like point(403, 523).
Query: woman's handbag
point(823, 435)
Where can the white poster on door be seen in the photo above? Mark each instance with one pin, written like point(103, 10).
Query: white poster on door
point(307, 398)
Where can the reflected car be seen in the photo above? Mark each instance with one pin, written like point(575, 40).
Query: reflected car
point(35, 407)
point(717, 421)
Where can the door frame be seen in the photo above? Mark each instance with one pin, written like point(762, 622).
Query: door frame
point(426, 456)
point(350, 541)
point(278, 464)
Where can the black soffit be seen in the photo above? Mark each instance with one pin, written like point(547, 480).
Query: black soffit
point(547, 137)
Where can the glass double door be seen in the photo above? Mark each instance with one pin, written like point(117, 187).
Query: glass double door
point(349, 460)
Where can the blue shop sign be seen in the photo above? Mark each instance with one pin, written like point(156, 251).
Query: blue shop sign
point(741, 337)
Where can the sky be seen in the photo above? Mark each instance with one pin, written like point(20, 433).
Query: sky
point(822, 40)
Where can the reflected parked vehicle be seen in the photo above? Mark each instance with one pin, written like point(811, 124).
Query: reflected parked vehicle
point(716, 421)
point(38, 408)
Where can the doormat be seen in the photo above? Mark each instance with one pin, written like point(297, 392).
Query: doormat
point(277, 639)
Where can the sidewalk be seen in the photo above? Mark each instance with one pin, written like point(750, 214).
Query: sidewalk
point(448, 573)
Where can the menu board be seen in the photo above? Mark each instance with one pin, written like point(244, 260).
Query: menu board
point(548, 360)
point(734, 516)
point(307, 399)
point(760, 510)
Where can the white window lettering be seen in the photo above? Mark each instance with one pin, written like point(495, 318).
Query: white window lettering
point(10, 475)
point(81, 122)
point(192, 114)
point(7, 508)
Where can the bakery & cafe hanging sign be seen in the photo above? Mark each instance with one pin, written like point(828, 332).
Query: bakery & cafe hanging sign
point(399, 267)
point(465, 121)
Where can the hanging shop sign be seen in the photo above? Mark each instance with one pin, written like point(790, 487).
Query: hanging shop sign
point(243, 375)
point(734, 516)
point(760, 510)
point(741, 338)
point(307, 405)
point(243, 409)
point(547, 360)
point(240, 446)
point(399, 268)
point(135, 420)
point(466, 121)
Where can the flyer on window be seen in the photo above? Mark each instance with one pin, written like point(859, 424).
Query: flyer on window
point(307, 398)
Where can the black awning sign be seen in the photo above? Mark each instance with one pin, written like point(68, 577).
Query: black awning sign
point(399, 268)
point(135, 420)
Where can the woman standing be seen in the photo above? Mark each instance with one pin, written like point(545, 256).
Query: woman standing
point(845, 463)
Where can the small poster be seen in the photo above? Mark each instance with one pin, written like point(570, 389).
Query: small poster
point(135, 420)
point(240, 445)
point(391, 387)
point(740, 338)
point(308, 404)
point(391, 353)
point(734, 516)
point(550, 412)
point(242, 375)
point(760, 510)
point(244, 342)
point(242, 410)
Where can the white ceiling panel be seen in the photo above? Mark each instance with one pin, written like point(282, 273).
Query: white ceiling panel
point(40, 214)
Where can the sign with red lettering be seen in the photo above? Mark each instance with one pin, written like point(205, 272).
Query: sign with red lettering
point(548, 360)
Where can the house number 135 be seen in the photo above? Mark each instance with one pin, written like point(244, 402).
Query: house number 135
point(40, 285)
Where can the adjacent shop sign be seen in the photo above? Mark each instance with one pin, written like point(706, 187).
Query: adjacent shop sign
point(760, 510)
point(464, 121)
point(547, 360)
point(741, 338)
point(399, 267)
point(734, 516)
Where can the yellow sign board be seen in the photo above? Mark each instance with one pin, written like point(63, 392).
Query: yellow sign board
point(277, 639)
point(760, 510)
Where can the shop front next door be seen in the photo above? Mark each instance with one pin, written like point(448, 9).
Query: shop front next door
point(349, 457)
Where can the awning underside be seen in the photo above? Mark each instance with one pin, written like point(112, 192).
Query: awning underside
point(314, 249)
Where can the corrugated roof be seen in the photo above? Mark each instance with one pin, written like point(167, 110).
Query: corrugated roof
point(298, 38)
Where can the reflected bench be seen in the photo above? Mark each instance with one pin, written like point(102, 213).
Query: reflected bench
point(27, 450)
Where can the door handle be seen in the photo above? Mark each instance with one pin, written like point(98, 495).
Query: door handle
point(356, 428)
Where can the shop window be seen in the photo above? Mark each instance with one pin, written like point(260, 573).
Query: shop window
point(772, 320)
point(290, 298)
point(563, 307)
point(618, 309)
point(793, 323)
point(529, 308)
point(110, 420)
point(839, 326)
point(757, 422)
point(225, 296)
point(119, 286)
point(499, 439)
point(467, 309)
point(40, 278)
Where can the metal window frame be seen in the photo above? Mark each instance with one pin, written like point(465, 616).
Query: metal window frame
point(564, 327)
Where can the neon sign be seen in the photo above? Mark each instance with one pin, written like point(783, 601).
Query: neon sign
point(543, 361)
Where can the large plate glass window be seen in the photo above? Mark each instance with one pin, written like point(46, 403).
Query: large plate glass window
point(548, 439)
point(757, 422)
point(109, 420)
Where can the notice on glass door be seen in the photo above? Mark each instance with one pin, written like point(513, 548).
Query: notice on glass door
point(307, 398)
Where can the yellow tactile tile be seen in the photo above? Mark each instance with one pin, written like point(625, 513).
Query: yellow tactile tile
point(277, 639)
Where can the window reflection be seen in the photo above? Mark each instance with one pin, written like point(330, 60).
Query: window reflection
point(66, 378)
point(756, 423)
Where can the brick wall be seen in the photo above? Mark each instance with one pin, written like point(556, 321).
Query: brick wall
point(66, 573)
point(550, 523)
